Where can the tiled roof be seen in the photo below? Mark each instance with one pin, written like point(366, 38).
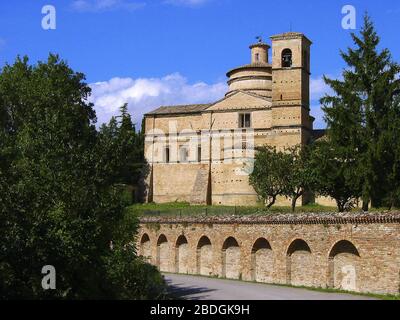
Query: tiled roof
point(284, 219)
point(181, 109)
point(259, 44)
point(318, 134)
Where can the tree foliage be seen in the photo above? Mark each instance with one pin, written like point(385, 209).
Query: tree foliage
point(299, 178)
point(281, 173)
point(267, 177)
point(335, 174)
point(58, 205)
point(123, 153)
point(124, 147)
point(361, 113)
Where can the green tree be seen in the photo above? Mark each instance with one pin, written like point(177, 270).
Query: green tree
point(57, 205)
point(283, 173)
point(359, 113)
point(334, 173)
point(123, 149)
point(392, 139)
point(269, 177)
point(298, 174)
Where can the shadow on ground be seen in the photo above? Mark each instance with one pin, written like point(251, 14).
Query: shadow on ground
point(183, 291)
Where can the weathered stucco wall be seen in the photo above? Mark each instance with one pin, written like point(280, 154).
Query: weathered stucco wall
point(357, 253)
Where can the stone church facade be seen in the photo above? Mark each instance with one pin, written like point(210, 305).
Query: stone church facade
point(203, 154)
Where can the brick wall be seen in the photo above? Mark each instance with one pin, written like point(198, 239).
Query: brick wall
point(358, 253)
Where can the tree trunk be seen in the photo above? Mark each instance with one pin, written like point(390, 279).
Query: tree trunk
point(365, 206)
point(340, 206)
point(365, 200)
point(294, 201)
point(376, 203)
point(392, 201)
point(272, 202)
point(296, 197)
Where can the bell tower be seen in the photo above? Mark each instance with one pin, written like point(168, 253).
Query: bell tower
point(291, 87)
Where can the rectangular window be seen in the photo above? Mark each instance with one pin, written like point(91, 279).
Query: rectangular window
point(245, 120)
point(244, 144)
point(199, 154)
point(184, 154)
point(166, 155)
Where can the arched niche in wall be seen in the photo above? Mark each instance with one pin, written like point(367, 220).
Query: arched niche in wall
point(204, 257)
point(262, 261)
point(145, 247)
point(344, 266)
point(163, 253)
point(231, 259)
point(182, 255)
point(299, 264)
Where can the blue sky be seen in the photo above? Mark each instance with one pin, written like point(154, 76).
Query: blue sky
point(156, 52)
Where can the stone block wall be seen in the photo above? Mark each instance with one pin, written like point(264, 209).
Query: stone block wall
point(359, 253)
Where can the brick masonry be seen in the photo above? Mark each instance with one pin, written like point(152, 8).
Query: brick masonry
point(359, 253)
point(278, 101)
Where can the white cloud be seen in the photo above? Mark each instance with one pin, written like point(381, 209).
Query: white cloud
point(318, 114)
point(318, 88)
point(188, 3)
point(105, 5)
point(146, 94)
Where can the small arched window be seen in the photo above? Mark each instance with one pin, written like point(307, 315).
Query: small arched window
point(257, 57)
point(286, 58)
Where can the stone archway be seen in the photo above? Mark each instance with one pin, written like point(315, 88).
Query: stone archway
point(231, 259)
point(344, 266)
point(163, 253)
point(299, 265)
point(145, 247)
point(262, 261)
point(182, 255)
point(204, 257)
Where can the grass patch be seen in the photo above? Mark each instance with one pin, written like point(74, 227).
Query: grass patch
point(330, 290)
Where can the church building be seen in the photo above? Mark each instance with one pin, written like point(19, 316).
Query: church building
point(203, 154)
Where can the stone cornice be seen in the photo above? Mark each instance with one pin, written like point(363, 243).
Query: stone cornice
point(258, 77)
point(275, 105)
point(253, 66)
point(236, 131)
point(260, 44)
point(291, 68)
point(290, 36)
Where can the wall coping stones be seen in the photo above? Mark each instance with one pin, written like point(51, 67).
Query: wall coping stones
point(283, 219)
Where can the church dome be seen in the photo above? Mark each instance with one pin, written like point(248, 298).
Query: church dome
point(255, 77)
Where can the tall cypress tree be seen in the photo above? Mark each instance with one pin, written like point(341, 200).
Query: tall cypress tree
point(360, 112)
point(123, 149)
point(391, 144)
